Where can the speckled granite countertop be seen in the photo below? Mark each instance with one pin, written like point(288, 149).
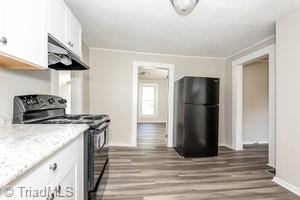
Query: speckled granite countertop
point(24, 146)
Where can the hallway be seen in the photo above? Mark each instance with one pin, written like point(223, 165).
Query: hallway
point(151, 135)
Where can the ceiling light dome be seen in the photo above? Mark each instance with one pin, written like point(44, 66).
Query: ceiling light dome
point(184, 7)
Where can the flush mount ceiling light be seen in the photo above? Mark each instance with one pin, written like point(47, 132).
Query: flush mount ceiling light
point(184, 7)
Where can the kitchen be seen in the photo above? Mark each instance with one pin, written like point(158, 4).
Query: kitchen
point(92, 36)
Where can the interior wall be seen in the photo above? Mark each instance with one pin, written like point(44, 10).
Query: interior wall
point(80, 86)
point(65, 89)
point(111, 85)
point(21, 82)
point(288, 98)
point(162, 103)
point(228, 87)
point(86, 80)
point(255, 103)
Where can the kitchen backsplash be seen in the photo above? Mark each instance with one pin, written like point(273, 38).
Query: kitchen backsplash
point(18, 82)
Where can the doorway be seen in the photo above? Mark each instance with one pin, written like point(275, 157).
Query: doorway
point(237, 100)
point(152, 108)
point(256, 102)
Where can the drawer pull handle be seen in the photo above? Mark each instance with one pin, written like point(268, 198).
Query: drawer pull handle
point(53, 167)
point(3, 40)
point(71, 44)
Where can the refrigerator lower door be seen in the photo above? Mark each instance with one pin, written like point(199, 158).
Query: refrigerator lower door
point(200, 138)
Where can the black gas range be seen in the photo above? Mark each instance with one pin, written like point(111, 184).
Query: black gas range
point(49, 109)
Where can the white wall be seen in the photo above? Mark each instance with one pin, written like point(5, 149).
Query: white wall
point(64, 89)
point(255, 103)
point(111, 85)
point(85, 80)
point(288, 98)
point(162, 103)
point(79, 86)
point(228, 87)
point(20, 82)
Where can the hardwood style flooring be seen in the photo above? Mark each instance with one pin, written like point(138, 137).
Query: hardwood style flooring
point(158, 173)
point(151, 135)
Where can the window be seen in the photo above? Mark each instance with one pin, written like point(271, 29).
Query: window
point(148, 99)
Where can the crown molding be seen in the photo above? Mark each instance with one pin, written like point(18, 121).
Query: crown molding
point(156, 54)
point(272, 37)
point(250, 47)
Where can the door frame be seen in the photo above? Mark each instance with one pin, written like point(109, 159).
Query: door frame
point(237, 99)
point(170, 68)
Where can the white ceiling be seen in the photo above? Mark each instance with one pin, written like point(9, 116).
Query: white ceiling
point(216, 28)
point(146, 73)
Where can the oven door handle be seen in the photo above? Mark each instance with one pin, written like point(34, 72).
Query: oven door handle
point(102, 127)
point(99, 146)
point(101, 131)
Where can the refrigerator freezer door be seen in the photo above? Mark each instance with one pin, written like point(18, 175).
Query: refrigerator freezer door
point(198, 90)
point(200, 138)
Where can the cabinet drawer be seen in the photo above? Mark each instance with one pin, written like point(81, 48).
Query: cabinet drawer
point(63, 157)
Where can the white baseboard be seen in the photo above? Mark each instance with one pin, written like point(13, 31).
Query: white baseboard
point(121, 145)
point(228, 146)
point(287, 185)
point(151, 122)
point(255, 142)
point(270, 165)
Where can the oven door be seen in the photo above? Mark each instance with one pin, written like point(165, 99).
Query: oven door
point(98, 155)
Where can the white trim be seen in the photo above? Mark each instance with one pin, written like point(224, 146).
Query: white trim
point(237, 110)
point(151, 122)
point(229, 147)
point(184, 56)
point(287, 185)
point(157, 54)
point(237, 99)
point(250, 47)
point(256, 142)
point(170, 67)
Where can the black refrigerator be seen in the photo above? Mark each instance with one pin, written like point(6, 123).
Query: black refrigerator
point(196, 116)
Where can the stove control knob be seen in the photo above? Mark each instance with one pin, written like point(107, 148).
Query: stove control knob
point(29, 102)
point(51, 100)
point(62, 101)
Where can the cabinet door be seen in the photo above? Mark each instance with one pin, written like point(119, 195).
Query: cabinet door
point(2, 24)
point(68, 184)
point(74, 34)
point(25, 31)
point(57, 20)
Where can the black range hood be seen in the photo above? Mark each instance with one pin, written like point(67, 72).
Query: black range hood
point(60, 58)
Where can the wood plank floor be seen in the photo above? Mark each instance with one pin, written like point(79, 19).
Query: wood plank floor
point(158, 173)
point(151, 135)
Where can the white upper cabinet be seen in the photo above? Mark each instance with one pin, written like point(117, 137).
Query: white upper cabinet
point(23, 34)
point(63, 26)
point(74, 34)
point(57, 20)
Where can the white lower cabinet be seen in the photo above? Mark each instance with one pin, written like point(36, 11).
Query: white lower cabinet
point(58, 177)
point(66, 185)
